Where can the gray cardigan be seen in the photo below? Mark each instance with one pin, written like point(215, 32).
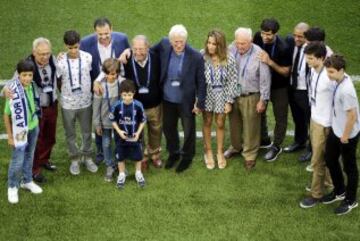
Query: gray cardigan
point(101, 109)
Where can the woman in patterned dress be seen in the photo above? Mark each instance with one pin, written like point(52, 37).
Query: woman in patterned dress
point(221, 76)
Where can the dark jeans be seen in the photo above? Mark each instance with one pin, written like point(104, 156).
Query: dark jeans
point(279, 100)
point(171, 114)
point(334, 148)
point(300, 109)
point(47, 137)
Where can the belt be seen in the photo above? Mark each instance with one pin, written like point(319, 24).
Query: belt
point(249, 93)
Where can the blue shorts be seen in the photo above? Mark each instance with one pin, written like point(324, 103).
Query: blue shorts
point(128, 152)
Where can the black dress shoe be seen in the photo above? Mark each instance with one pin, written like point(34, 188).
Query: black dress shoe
point(294, 147)
point(305, 157)
point(171, 161)
point(39, 178)
point(49, 166)
point(183, 165)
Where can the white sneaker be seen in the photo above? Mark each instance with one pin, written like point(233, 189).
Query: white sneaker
point(140, 179)
point(121, 180)
point(75, 168)
point(32, 187)
point(90, 165)
point(13, 196)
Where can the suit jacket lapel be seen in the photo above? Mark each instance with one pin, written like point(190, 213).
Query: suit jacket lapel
point(186, 63)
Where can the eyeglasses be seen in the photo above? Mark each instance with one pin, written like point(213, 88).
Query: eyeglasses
point(46, 76)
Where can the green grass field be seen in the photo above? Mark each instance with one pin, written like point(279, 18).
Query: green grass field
point(199, 204)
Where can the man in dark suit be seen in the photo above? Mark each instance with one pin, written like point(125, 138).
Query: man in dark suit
point(183, 83)
point(298, 93)
point(102, 44)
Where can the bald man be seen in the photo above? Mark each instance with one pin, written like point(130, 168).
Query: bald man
point(253, 93)
point(298, 93)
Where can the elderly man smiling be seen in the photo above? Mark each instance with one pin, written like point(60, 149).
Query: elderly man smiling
point(254, 79)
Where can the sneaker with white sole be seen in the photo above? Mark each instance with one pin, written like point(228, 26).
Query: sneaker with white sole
point(75, 168)
point(109, 174)
point(121, 181)
point(140, 179)
point(309, 168)
point(345, 207)
point(32, 187)
point(332, 197)
point(309, 202)
point(13, 196)
point(90, 165)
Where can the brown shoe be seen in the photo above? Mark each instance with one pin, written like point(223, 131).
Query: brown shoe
point(249, 165)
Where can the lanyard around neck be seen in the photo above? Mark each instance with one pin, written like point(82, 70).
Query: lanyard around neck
point(70, 73)
point(136, 73)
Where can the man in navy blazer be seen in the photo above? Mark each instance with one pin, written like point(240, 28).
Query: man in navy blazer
point(103, 44)
point(183, 83)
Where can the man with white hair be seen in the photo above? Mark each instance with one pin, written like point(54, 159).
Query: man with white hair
point(45, 79)
point(183, 83)
point(253, 93)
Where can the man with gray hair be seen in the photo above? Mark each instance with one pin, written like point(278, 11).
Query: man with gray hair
point(183, 83)
point(144, 69)
point(253, 94)
point(45, 79)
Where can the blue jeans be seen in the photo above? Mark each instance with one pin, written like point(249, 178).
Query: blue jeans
point(20, 167)
point(106, 146)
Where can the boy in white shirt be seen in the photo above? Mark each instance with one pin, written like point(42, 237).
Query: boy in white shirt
point(320, 96)
point(74, 69)
point(343, 137)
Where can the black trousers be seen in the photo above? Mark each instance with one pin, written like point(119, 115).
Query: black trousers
point(279, 100)
point(171, 114)
point(300, 110)
point(334, 148)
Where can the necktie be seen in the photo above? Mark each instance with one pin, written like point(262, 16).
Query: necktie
point(294, 73)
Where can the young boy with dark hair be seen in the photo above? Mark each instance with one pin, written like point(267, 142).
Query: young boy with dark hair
point(321, 90)
point(343, 137)
point(76, 97)
point(128, 119)
point(21, 122)
point(101, 108)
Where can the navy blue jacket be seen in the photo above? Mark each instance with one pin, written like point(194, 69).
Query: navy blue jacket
point(192, 76)
point(89, 44)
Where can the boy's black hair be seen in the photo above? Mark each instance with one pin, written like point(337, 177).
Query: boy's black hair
point(101, 22)
point(316, 48)
point(71, 37)
point(270, 24)
point(25, 65)
point(315, 34)
point(127, 86)
point(335, 61)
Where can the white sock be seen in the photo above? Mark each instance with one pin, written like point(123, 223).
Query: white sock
point(121, 174)
point(138, 173)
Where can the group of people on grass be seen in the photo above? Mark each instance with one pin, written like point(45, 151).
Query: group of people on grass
point(106, 85)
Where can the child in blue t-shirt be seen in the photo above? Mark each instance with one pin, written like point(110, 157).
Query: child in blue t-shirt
point(128, 119)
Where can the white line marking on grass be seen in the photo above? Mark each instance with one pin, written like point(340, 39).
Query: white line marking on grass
point(181, 134)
